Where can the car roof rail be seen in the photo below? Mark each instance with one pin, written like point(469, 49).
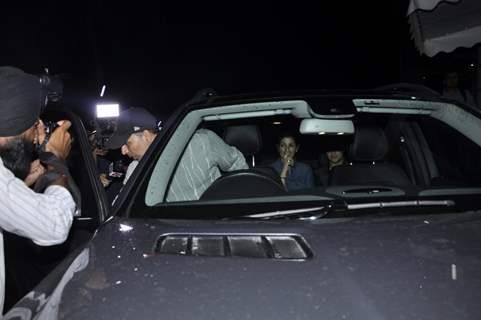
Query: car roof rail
point(201, 96)
point(409, 88)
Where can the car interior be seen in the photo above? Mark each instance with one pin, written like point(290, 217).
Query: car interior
point(396, 150)
point(370, 160)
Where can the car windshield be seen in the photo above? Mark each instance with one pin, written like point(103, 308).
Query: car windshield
point(308, 157)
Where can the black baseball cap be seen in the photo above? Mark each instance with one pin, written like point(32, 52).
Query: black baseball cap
point(20, 101)
point(130, 121)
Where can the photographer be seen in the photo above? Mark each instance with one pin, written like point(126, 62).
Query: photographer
point(111, 184)
point(46, 217)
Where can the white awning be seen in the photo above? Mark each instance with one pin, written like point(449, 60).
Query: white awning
point(426, 5)
point(444, 25)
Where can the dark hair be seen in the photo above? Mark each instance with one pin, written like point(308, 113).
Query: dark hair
point(287, 134)
point(17, 155)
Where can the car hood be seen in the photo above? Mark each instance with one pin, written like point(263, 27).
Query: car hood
point(426, 267)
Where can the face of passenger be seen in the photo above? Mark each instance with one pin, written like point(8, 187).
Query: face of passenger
point(288, 147)
point(335, 157)
point(137, 144)
point(452, 80)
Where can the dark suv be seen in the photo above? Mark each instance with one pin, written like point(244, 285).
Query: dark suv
point(392, 233)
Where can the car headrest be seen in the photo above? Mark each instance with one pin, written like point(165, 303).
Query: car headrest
point(246, 138)
point(370, 144)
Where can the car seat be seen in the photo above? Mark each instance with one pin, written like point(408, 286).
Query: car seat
point(246, 138)
point(368, 166)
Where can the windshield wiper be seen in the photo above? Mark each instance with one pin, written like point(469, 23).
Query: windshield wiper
point(310, 213)
point(314, 213)
point(293, 212)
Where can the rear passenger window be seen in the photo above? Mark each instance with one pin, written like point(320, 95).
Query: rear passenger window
point(457, 157)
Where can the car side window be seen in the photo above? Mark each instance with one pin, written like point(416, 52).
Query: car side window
point(82, 167)
point(456, 156)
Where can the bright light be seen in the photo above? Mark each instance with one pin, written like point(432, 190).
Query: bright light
point(340, 133)
point(107, 110)
point(103, 91)
point(125, 228)
point(321, 133)
point(277, 122)
point(472, 65)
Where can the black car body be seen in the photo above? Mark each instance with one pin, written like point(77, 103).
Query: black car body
point(371, 250)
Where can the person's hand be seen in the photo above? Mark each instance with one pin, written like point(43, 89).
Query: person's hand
point(41, 134)
point(104, 180)
point(100, 152)
point(36, 170)
point(60, 141)
point(287, 160)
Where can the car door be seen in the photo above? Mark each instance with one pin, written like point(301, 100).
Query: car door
point(26, 263)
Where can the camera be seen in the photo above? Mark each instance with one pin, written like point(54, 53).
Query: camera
point(52, 90)
point(105, 123)
point(117, 169)
point(52, 87)
point(50, 126)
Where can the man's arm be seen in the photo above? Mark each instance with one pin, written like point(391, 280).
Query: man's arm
point(60, 141)
point(45, 218)
point(36, 171)
point(228, 158)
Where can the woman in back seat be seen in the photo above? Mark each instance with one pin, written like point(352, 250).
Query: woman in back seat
point(294, 174)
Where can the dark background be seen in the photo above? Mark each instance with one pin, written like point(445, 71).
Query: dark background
point(157, 55)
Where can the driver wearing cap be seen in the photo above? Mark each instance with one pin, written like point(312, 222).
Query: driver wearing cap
point(46, 217)
point(201, 164)
point(136, 130)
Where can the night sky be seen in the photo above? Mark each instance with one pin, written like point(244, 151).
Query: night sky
point(158, 55)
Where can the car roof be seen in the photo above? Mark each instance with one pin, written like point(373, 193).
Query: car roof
point(206, 98)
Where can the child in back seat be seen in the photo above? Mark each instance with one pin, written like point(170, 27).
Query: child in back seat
point(328, 161)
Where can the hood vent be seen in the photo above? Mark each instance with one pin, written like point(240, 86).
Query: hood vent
point(278, 247)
